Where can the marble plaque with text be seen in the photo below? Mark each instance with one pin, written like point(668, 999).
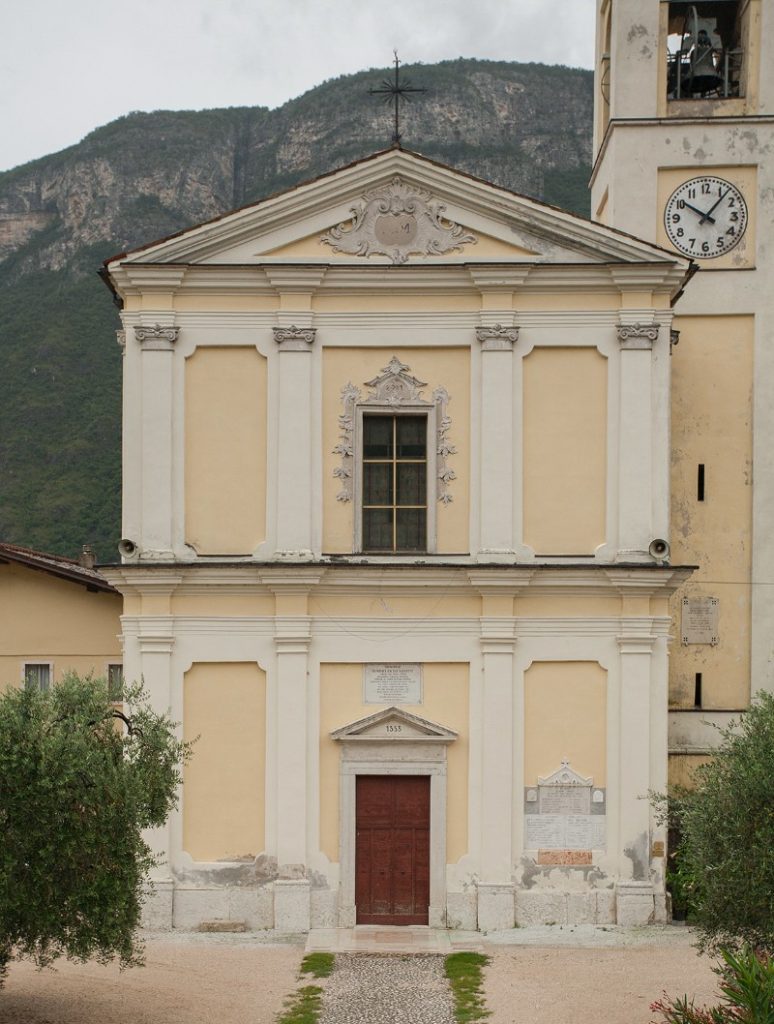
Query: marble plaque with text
point(392, 683)
point(699, 620)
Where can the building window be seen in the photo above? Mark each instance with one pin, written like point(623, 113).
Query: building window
point(37, 676)
point(394, 475)
point(115, 680)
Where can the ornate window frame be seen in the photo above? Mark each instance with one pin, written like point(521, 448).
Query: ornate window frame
point(395, 392)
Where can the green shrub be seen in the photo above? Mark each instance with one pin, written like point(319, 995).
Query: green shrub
point(747, 984)
point(80, 778)
point(726, 853)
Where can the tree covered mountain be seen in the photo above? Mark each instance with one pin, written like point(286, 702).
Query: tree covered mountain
point(524, 126)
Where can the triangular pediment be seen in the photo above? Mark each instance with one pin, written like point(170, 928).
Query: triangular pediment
point(394, 724)
point(565, 775)
point(399, 208)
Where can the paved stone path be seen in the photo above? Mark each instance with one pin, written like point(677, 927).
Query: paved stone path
point(373, 989)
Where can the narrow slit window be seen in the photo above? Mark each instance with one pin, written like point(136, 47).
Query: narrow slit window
point(700, 482)
point(115, 680)
point(394, 483)
point(697, 691)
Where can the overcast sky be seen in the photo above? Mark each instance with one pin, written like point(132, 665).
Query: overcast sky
point(68, 66)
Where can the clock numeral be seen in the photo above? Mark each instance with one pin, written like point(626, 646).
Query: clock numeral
point(692, 242)
point(679, 232)
point(676, 218)
point(734, 216)
point(721, 240)
point(731, 201)
point(680, 204)
point(705, 188)
point(732, 230)
point(691, 193)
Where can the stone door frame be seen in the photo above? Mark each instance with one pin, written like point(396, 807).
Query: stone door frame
point(367, 750)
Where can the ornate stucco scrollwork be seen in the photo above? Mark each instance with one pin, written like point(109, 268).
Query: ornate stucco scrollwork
point(497, 338)
point(121, 340)
point(296, 338)
point(398, 220)
point(443, 446)
point(395, 386)
point(636, 336)
point(392, 388)
point(346, 446)
point(166, 335)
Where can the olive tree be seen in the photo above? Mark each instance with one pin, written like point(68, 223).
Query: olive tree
point(83, 770)
point(726, 823)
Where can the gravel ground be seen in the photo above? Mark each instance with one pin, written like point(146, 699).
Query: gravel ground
point(587, 985)
point(553, 976)
point(188, 979)
point(371, 989)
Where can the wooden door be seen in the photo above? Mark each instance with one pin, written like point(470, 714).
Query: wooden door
point(392, 852)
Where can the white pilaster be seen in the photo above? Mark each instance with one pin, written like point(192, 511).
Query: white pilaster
point(155, 644)
point(158, 344)
point(636, 653)
point(635, 469)
point(294, 442)
point(497, 439)
point(497, 645)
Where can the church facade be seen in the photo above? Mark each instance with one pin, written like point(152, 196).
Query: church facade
point(396, 522)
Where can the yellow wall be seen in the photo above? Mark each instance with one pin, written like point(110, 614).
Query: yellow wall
point(565, 716)
point(565, 450)
point(46, 619)
point(224, 782)
point(446, 702)
point(225, 450)
point(449, 367)
point(712, 376)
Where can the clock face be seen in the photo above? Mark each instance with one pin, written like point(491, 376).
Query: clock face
point(705, 217)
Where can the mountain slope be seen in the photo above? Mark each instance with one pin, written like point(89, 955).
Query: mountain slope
point(527, 127)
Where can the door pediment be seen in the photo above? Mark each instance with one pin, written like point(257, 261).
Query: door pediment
point(394, 725)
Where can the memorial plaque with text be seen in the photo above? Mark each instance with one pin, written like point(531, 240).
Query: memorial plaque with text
point(699, 621)
point(565, 812)
point(392, 683)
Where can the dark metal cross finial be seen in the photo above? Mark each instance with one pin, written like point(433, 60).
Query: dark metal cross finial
point(395, 92)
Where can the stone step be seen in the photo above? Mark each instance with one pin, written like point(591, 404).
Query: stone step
point(223, 926)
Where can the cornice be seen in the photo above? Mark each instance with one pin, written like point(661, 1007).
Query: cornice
point(318, 579)
point(268, 280)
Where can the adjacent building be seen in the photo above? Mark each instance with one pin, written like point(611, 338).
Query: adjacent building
point(57, 616)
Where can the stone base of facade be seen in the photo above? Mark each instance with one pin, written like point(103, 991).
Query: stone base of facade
point(293, 906)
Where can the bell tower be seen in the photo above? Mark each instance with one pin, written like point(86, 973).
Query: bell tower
point(684, 156)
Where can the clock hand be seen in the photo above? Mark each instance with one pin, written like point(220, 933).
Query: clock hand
point(704, 216)
point(717, 201)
